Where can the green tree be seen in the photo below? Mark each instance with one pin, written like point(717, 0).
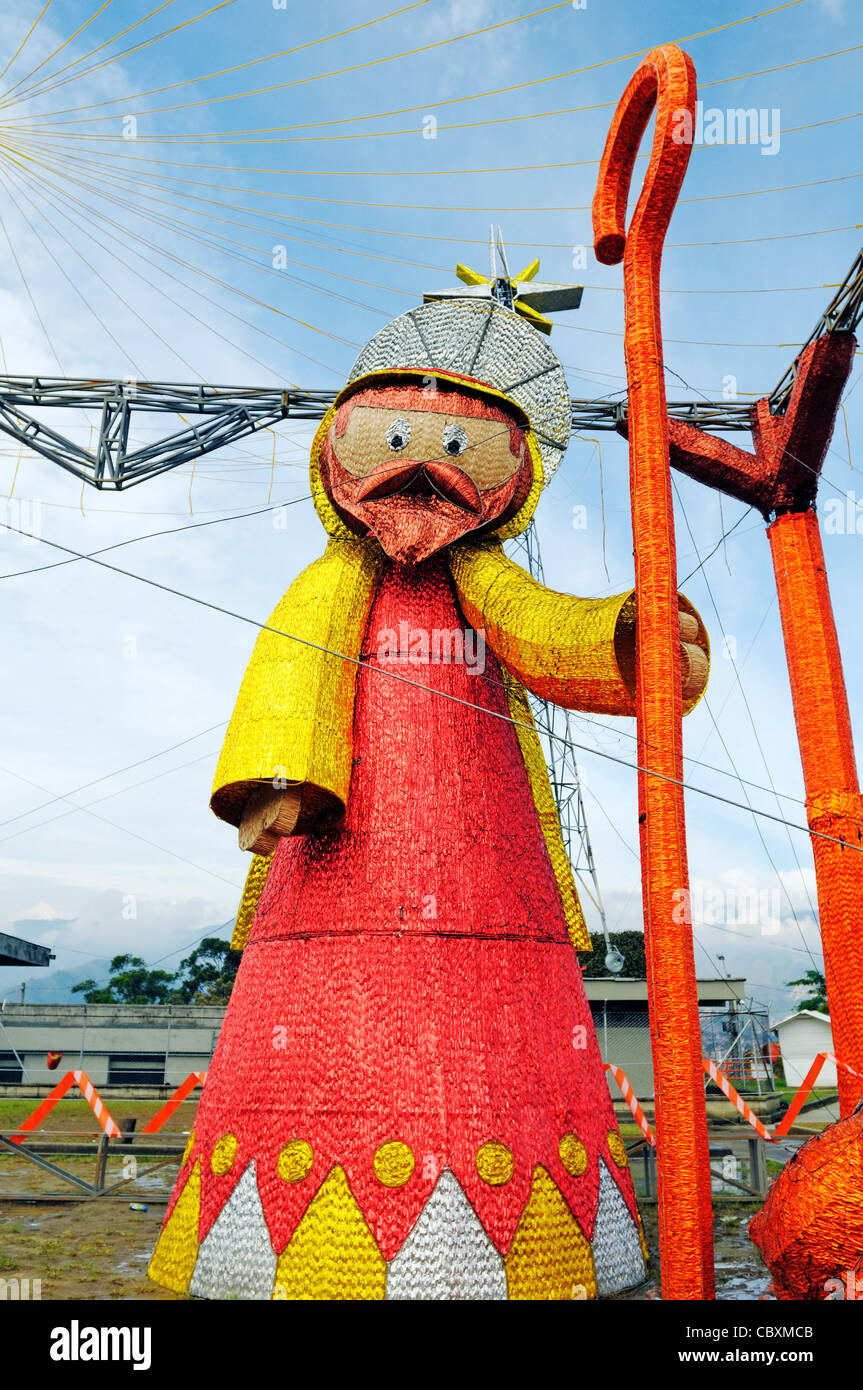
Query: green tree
point(207, 975)
point(131, 982)
point(630, 944)
point(816, 999)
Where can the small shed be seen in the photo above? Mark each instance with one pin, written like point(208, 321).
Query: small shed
point(801, 1037)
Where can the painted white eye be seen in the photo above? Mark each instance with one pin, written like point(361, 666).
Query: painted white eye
point(398, 435)
point(454, 440)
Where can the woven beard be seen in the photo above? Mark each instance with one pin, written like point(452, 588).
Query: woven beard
point(418, 470)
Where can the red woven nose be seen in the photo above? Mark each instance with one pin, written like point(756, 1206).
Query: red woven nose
point(443, 479)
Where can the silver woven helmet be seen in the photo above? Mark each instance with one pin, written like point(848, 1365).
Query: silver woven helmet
point(491, 345)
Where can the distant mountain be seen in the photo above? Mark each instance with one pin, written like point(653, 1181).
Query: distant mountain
point(55, 986)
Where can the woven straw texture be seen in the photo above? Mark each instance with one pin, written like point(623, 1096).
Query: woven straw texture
point(810, 1229)
point(834, 806)
point(664, 81)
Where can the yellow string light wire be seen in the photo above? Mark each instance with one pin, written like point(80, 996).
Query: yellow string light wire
point(233, 289)
point(394, 57)
point(847, 435)
point(26, 39)
point(69, 280)
point(272, 467)
point(270, 57)
point(98, 49)
point(242, 137)
point(18, 96)
point(404, 173)
point(137, 183)
point(208, 326)
point(160, 219)
point(64, 44)
point(113, 289)
point(17, 465)
point(569, 327)
point(337, 72)
point(460, 207)
point(245, 260)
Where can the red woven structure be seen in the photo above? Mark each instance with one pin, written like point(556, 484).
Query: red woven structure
point(666, 80)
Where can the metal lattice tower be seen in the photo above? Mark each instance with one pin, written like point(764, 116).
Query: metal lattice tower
point(555, 732)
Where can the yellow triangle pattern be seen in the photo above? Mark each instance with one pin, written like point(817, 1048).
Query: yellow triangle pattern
point(550, 1257)
point(332, 1253)
point(176, 1250)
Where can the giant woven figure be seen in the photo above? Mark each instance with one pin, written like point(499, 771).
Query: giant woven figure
point(407, 1098)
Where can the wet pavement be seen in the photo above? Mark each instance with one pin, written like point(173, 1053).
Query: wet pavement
point(741, 1274)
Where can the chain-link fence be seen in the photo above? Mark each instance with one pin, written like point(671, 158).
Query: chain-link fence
point(736, 1038)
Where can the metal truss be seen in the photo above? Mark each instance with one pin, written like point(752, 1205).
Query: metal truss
point(229, 413)
point(226, 413)
point(555, 732)
point(842, 315)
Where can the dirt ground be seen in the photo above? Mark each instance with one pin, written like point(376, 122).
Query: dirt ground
point(85, 1249)
point(101, 1249)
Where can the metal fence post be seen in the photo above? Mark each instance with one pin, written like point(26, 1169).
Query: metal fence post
point(101, 1162)
point(757, 1165)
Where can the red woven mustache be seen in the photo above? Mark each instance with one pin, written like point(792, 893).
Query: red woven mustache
point(418, 478)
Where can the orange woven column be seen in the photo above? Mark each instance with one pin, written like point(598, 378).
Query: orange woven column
point(666, 79)
point(833, 803)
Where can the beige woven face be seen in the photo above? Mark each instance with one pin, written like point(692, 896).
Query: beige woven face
point(420, 469)
point(376, 435)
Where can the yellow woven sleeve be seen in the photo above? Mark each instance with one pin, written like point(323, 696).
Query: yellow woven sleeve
point(562, 648)
point(575, 652)
point(293, 719)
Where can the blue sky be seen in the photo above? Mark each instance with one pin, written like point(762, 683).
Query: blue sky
point(153, 257)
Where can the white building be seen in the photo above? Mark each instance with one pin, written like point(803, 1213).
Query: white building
point(118, 1045)
point(801, 1037)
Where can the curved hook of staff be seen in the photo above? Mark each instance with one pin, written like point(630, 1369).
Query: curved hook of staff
point(666, 81)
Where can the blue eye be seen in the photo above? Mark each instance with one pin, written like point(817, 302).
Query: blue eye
point(454, 440)
point(398, 435)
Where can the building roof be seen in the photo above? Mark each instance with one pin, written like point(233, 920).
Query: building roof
point(803, 1013)
point(15, 951)
point(631, 989)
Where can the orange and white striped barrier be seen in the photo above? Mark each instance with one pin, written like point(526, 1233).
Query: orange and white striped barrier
point(725, 1086)
point(195, 1078)
point(808, 1082)
point(632, 1101)
point(728, 1090)
point(90, 1094)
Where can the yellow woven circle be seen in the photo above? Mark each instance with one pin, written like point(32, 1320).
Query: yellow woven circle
point(494, 1164)
point(224, 1154)
point(187, 1152)
point(573, 1155)
point(394, 1163)
point(295, 1161)
point(617, 1150)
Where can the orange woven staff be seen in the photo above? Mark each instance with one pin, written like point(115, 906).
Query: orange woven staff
point(666, 79)
point(834, 806)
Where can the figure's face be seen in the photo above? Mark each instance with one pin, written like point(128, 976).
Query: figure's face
point(418, 469)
